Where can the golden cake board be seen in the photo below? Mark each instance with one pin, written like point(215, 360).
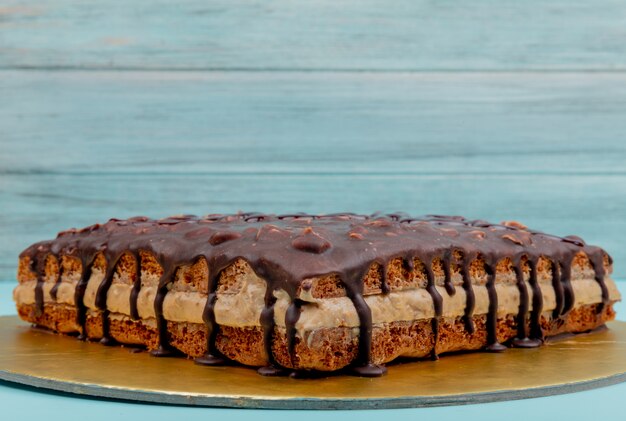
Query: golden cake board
point(42, 359)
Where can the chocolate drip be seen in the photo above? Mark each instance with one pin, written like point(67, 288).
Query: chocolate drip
point(365, 327)
point(447, 258)
point(106, 329)
point(597, 261)
point(291, 318)
point(408, 263)
point(79, 294)
point(134, 292)
point(523, 303)
point(492, 316)
point(384, 275)
point(566, 281)
point(522, 340)
point(437, 304)
point(101, 300)
point(535, 315)
point(40, 272)
point(269, 324)
point(212, 356)
point(284, 250)
point(470, 299)
point(164, 349)
point(57, 282)
point(559, 294)
point(363, 365)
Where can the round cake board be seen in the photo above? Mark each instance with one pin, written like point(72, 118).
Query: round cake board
point(45, 360)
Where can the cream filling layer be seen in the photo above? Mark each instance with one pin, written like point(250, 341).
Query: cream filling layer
point(244, 308)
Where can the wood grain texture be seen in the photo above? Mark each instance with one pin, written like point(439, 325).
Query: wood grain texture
point(81, 147)
point(283, 35)
point(35, 207)
point(304, 123)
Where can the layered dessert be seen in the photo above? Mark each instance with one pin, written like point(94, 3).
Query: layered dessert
point(314, 293)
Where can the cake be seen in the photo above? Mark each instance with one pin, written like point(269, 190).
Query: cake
point(306, 293)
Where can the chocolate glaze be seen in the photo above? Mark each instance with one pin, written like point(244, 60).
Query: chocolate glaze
point(212, 355)
point(39, 266)
point(284, 250)
point(57, 283)
point(568, 292)
point(559, 294)
point(164, 349)
point(536, 333)
point(101, 299)
point(492, 316)
point(134, 292)
point(438, 305)
point(79, 294)
point(597, 261)
point(470, 299)
point(291, 318)
point(522, 340)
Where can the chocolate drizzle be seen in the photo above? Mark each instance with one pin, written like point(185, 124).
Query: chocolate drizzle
point(492, 316)
point(470, 299)
point(134, 292)
point(384, 276)
point(535, 316)
point(268, 322)
point(79, 294)
point(284, 250)
point(39, 265)
point(447, 283)
point(291, 318)
point(57, 283)
point(597, 261)
point(212, 355)
point(568, 291)
point(164, 349)
point(559, 294)
point(437, 304)
point(522, 340)
point(101, 300)
point(363, 365)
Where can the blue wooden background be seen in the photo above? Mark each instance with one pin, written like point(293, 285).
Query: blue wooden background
point(495, 110)
point(491, 109)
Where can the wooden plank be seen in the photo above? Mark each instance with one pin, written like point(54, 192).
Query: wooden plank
point(350, 35)
point(358, 123)
point(35, 207)
point(79, 147)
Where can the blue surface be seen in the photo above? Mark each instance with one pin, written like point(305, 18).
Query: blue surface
point(495, 110)
point(321, 35)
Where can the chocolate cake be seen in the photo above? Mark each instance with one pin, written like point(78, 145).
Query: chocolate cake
point(308, 293)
